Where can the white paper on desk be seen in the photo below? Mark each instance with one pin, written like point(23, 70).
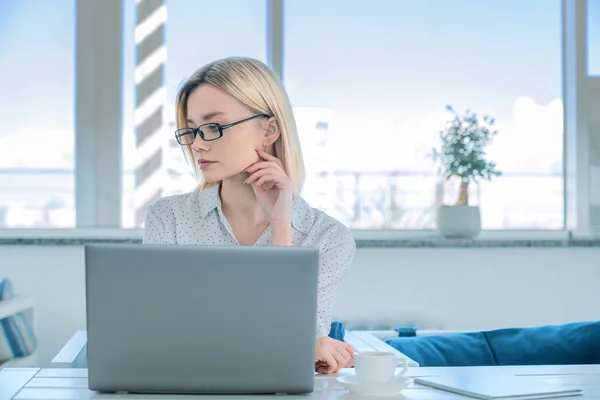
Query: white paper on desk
point(497, 386)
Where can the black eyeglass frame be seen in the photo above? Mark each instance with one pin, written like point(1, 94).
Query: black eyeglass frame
point(198, 131)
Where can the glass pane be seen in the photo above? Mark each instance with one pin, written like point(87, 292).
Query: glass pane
point(593, 37)
point(595, 159)
point(37, 102)
point(370, 81)
point(196, 32)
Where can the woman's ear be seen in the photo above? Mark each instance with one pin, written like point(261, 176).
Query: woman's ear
point(272, 132)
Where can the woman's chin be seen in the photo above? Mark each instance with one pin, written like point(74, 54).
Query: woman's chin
point(232, 177)
point(210, 178)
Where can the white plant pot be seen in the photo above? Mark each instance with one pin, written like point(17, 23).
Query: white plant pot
point(459, 222)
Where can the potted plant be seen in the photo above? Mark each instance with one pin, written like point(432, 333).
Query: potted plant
point(462, 157)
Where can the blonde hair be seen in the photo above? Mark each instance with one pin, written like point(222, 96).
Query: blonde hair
point(256, 86)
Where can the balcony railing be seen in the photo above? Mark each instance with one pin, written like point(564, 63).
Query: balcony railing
point(360, 199)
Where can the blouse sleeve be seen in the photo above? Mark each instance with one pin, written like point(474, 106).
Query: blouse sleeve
point(159, 226)
point(336, 255)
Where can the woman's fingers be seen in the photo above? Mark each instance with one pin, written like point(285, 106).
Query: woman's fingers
point(350, 351)
point(335, 353)
point(344, 353)
point(348, 348)
point(259, 174)
point(342, 357)
point(268, 185)
point(264, 164)
point(329, 358)
point(272, 180)
point(267, 156)
point(339, 354)
point(322, 369)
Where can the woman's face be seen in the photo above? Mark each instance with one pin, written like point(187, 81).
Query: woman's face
point(233, 152)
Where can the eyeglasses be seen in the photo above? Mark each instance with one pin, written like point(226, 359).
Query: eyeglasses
point(208, 132)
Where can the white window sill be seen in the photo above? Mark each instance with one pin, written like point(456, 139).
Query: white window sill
point(364, 238)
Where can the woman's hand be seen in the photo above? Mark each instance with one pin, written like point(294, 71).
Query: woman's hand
point(332, 355)
point(272, 187)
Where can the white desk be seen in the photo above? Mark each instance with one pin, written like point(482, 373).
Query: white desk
point(71, 384)
point(73, 354)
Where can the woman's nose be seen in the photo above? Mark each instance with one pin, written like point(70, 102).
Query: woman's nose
point(199, 144)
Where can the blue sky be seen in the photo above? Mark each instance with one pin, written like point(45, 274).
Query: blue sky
point(377, 56)
point(412, 56)
point(36, 64)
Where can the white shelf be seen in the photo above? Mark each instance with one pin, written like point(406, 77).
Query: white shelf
point(73, 354)
point(15, 306)
point(21, 362)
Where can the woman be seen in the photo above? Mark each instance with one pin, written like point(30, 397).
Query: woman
point(236, 126)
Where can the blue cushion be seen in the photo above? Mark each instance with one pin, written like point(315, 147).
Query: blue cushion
point(445, 350)
point(16, 336)
point(575, 343)
point(406, 331)
point(337, 330)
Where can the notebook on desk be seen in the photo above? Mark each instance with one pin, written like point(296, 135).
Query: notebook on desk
point(497, 386)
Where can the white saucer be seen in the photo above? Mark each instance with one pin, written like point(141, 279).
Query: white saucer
point(351, 383)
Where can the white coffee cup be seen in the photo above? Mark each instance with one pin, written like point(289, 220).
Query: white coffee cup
point(378, 367)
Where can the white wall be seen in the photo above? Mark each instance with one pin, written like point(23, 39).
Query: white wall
point(476, 288)
point(461, 288)
point(54, 275)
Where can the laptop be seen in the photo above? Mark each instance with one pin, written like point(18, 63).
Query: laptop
point(494, 385)
point(201, 319)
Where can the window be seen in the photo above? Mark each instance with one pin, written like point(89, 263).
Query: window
point(593, 37)
point(195, 33)
point(594, 70)
point(370, 82)
point(37, 103)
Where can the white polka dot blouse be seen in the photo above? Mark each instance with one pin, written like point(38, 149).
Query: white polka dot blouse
point(197, 219)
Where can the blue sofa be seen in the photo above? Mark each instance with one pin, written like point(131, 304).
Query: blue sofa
point(574, 343)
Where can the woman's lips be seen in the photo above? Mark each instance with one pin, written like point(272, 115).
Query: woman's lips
point(205, 163)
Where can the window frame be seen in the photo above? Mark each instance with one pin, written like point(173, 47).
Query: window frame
point(98, 114)
point(99, 125)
